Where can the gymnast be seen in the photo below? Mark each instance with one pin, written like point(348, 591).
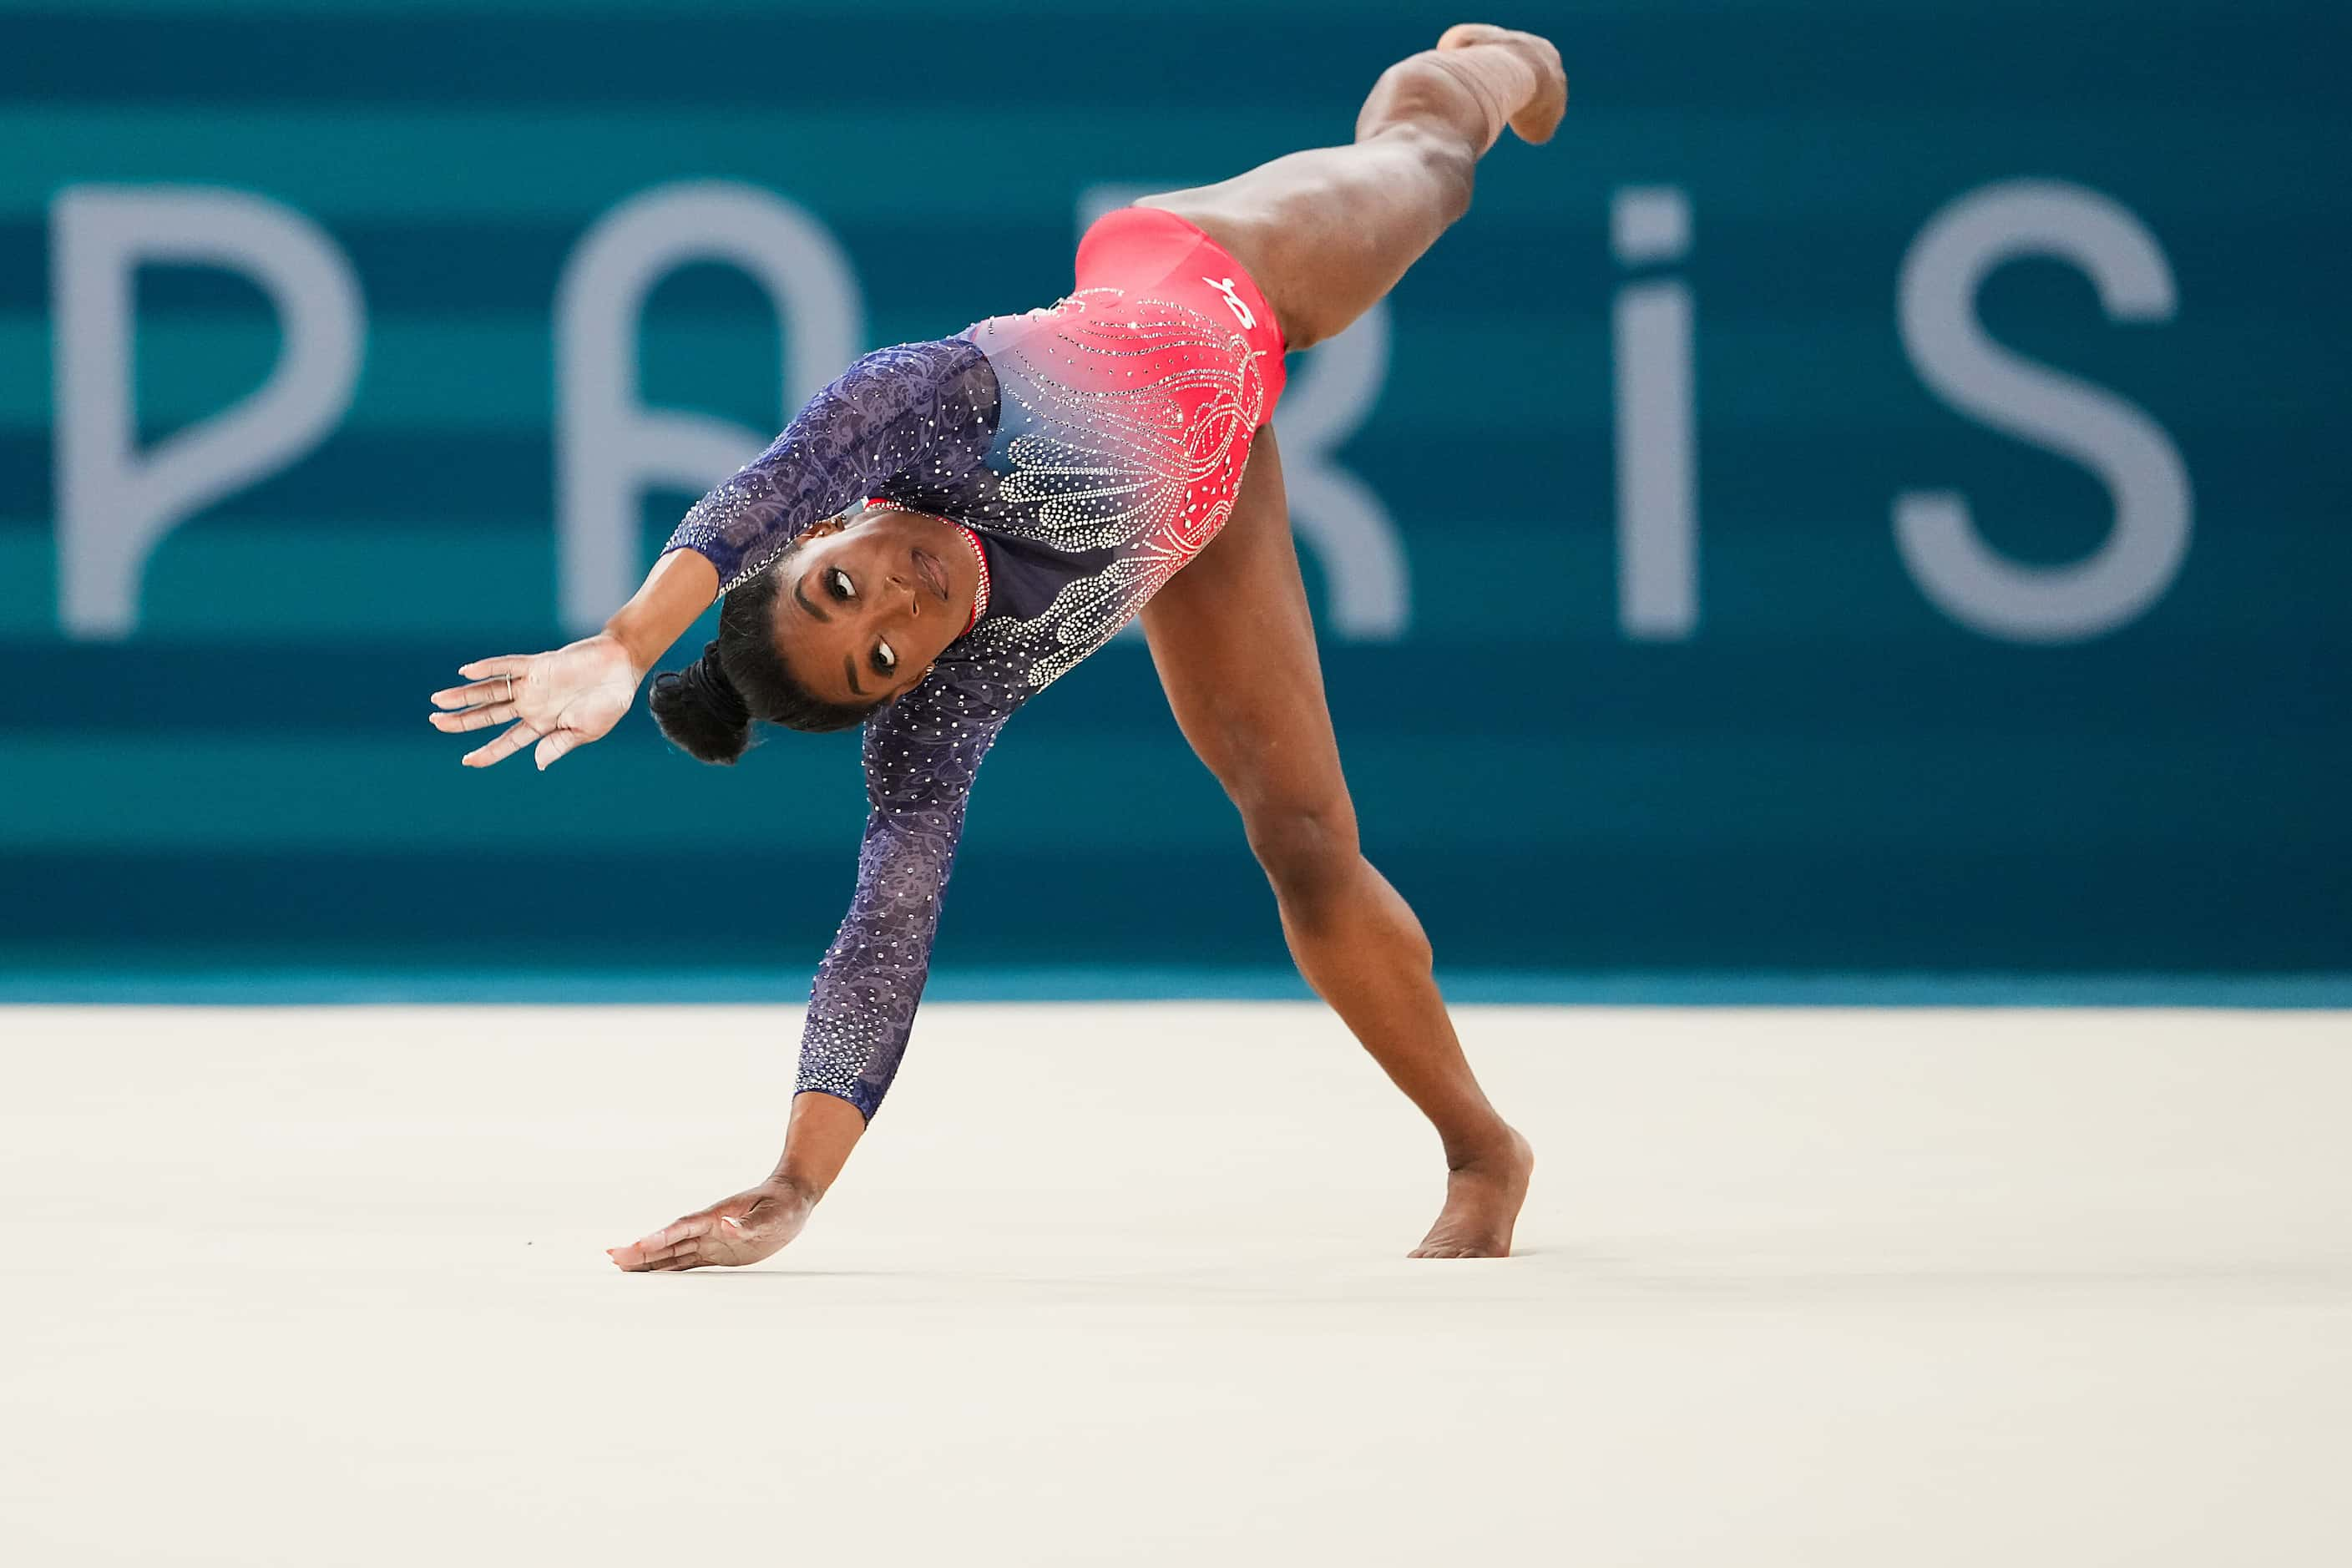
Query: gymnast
point(951, 525)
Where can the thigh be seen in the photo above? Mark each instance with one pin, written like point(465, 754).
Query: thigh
point(1234, 644)
point(1325, 233)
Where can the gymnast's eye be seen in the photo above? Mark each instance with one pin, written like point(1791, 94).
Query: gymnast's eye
point(838, 584)
point(886, 659)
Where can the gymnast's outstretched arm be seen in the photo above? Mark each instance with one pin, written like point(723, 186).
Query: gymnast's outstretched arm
point(911, 408)
point(921, 757)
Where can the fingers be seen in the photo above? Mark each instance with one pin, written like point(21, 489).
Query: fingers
point(553, 745)
point(493, 681)
point(472, 719)
point(640, 1257)
point(474, 695)
point(717, 1250)
point(698, 1241)
point(518, 735)
point(679, 1232)
point(671, 1241)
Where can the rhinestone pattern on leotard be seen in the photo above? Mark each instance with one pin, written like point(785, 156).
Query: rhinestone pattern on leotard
point(1113, 431)
point(1124, 423)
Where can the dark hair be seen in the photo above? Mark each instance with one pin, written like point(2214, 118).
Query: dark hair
point(707, 708)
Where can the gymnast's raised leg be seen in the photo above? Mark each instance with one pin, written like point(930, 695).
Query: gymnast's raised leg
point(1326, 233)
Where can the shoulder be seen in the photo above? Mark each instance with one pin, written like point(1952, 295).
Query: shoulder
point(907, 373)
point(943, 388)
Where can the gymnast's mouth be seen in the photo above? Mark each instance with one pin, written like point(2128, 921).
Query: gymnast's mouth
point(934, 575)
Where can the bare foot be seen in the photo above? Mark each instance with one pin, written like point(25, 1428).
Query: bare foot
point(1538, 120)
point(1482, 1204)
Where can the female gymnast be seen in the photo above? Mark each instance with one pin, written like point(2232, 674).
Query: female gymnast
point(950, 525)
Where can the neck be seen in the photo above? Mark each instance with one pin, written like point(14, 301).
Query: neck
point(978, 602)
point(967, 566)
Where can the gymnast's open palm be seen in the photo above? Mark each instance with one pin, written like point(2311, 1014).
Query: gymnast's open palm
point(753, 1225)
point(561, 699)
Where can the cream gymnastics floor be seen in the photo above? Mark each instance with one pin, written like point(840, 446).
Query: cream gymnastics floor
point(1122, 1284)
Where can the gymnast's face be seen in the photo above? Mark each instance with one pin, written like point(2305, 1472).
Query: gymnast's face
point(862, 612)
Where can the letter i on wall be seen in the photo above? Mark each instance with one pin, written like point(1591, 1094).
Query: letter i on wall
point(1657, 420)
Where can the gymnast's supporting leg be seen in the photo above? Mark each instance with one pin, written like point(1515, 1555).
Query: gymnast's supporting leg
point(1234, 644)
point(1325, 233)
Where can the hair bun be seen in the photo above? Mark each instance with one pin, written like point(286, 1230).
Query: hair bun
point(700, 712)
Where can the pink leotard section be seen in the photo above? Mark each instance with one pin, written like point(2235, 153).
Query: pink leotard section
point(1127, 405)
point(1147, 254)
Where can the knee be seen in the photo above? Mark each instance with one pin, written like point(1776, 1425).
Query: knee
point(1306, 849)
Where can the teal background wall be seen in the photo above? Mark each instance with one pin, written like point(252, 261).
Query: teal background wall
point(1829, 773)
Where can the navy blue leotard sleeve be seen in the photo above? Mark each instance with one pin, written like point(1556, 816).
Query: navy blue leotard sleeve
point(921, 412)
point(917, 417)
point(921, 754)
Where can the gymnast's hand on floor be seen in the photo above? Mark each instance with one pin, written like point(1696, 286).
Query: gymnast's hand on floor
point(733, 1231)
point(561, 699)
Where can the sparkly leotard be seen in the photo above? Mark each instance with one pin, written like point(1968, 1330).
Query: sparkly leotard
point(1092, 447)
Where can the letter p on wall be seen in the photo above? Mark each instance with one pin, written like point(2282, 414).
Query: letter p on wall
point(115, 502)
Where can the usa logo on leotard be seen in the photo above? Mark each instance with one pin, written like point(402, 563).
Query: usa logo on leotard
point(1226, 287)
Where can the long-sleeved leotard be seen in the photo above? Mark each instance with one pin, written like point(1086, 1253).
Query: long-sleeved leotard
point(1092, 447)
